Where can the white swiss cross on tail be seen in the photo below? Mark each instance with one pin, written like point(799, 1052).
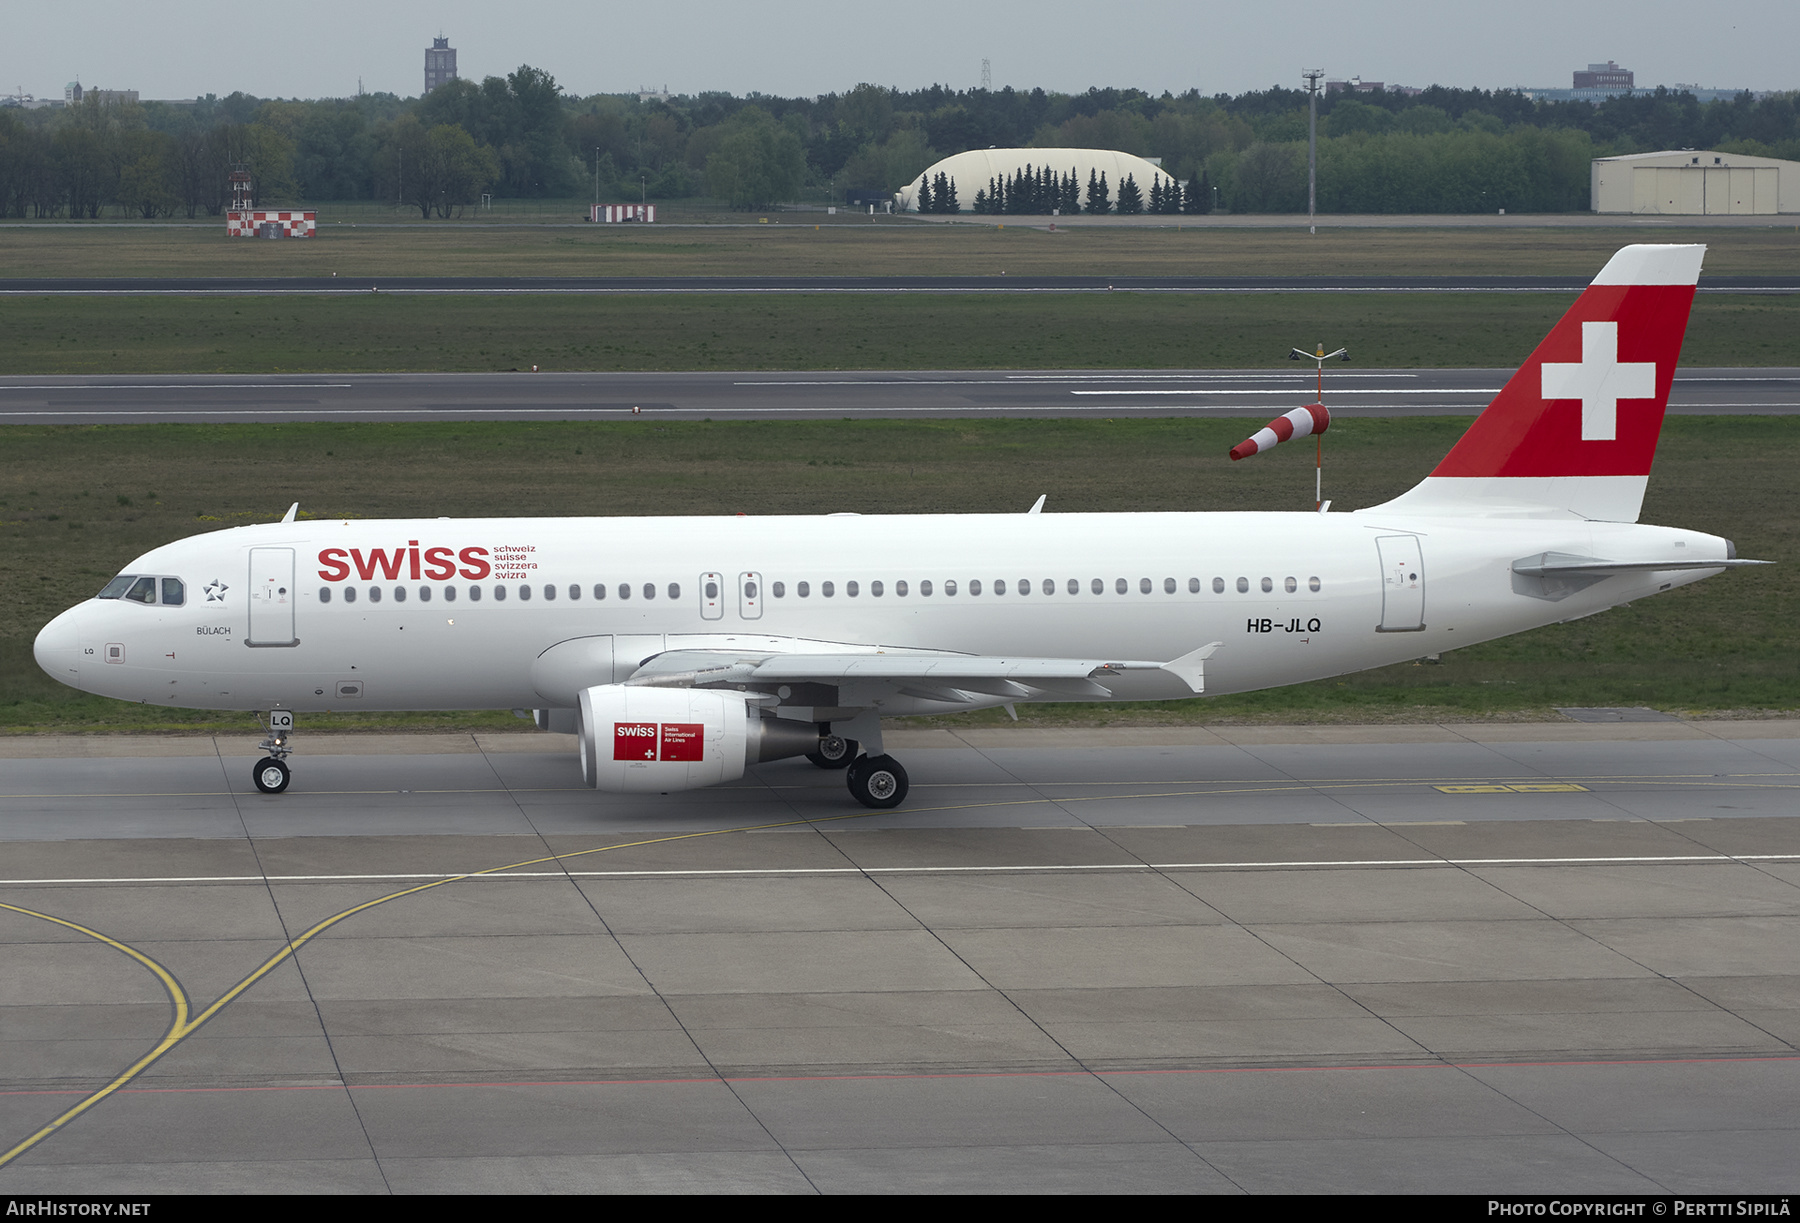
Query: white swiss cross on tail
point(1600, 381)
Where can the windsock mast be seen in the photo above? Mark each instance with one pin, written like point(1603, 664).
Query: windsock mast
point(1312, 419)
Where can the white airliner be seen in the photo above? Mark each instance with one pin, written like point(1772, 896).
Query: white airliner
point(682, 649)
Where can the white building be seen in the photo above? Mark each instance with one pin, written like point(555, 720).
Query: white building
point(972, 170)
point(1694, 182)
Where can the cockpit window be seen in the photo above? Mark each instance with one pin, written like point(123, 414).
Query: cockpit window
point(117, 587)
point(142, 591)
point(174, 592)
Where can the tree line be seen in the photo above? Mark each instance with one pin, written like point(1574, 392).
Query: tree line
point(522, 136)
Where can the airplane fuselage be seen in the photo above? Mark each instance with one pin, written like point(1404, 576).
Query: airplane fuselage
point(451, 614)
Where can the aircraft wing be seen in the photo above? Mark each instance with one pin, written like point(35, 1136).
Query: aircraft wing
point(955, 678)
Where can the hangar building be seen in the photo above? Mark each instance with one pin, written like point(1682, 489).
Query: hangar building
point(1694, 182)
point(973, 169)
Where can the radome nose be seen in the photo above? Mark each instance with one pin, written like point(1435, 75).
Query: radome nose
point(58, 649)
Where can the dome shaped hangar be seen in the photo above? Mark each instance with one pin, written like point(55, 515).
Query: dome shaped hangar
point(972, 170)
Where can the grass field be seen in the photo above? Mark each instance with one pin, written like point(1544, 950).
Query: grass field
point(791, 246)
point(78, 503)
point(382, 332)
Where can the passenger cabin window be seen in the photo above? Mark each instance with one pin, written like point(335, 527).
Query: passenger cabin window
point(1243, 585)
point(449, 594)
point(424, 594)
point(1218, 586)
point(324, 594)
point(374, 594)
point(574, 591)
point(1193, 586)
point(780, 589)
point(399, 594)
point(1121, 586)
point(924, 589)
point(803, 589)
point(674, 590)
point(349, 594)
point(826, 589)
point(599, 590)
point(1312, 584)
point(1168, 586)
point(525, 592)
point(499, 594)
point(474, 594)
point(549, 591)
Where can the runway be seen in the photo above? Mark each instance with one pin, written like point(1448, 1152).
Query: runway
point(830, 395)
point(1496, 958)
point(239, 286)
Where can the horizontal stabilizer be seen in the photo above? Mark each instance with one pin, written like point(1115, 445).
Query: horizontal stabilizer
point(1551, 564)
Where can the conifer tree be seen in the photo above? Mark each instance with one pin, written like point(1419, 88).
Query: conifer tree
point(1071, 193)
point(1199, 195)
point(947, 195)
point(924, 195)
point(1131, 200)
point(1156, 195)
point(1172, 196)
point(1099, 196)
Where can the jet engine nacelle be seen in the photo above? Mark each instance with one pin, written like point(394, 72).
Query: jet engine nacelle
point(637, 739)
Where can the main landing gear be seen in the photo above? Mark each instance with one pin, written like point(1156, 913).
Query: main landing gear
point(877, 781)
point(874, 781)
point(835, 752)
point(271, 775)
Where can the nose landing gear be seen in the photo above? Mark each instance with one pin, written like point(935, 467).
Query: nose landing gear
point(271, 776)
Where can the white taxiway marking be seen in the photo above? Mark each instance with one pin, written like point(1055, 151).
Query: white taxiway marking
point(1328, 864)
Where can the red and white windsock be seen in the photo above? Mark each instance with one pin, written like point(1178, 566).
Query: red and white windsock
point(1301, 422)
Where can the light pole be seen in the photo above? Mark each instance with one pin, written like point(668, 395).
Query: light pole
point(596, 176)
point(1312, 76)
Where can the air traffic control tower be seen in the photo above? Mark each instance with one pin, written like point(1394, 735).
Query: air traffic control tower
point(440, 63)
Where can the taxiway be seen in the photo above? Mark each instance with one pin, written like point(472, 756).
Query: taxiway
point(1455, 959)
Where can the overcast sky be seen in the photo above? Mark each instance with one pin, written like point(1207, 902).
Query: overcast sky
point(320, 48)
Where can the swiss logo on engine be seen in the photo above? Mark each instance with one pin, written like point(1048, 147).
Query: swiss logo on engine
point(634, 741)
point(677, 742)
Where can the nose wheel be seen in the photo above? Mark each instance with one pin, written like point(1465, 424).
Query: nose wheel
point(270, 776)
point(877, 781)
